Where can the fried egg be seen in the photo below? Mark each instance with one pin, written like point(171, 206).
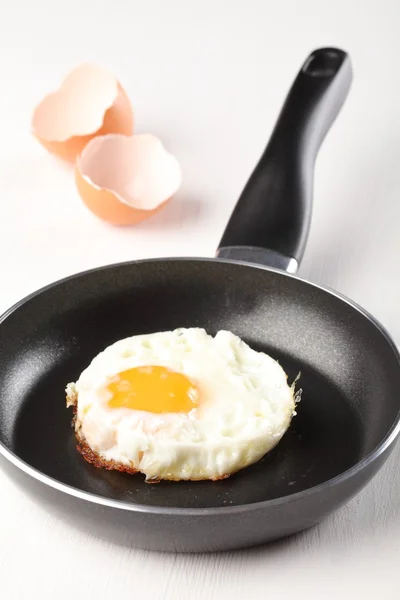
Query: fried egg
point(180, 405)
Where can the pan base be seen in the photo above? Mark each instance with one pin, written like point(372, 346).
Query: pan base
point(324, 440)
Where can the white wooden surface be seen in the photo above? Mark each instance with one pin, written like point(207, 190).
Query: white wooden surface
point(209, 78)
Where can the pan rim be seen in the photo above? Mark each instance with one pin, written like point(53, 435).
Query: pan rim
point(385, 443)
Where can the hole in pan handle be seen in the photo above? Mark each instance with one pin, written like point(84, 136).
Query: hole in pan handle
point(270, 222)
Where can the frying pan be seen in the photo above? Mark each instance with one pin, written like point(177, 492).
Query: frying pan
point(348, 418)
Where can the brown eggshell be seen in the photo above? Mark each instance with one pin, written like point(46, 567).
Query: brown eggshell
point(90, 102)
point(126, 179)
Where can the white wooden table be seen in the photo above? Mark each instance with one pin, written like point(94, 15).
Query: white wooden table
point(207, 77)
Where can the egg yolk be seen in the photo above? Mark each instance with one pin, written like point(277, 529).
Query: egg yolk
point(153, 389)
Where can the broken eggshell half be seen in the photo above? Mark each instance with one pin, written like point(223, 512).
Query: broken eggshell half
point(90, 102)
point(126, 179)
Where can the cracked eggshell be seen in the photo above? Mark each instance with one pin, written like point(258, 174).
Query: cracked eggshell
point(126, 179)
point(90, 102)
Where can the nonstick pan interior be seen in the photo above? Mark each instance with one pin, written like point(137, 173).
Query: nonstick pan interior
point(350, 373)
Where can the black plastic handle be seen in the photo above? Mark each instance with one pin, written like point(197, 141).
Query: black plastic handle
point(271, 220)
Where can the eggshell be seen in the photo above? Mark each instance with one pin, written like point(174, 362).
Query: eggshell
point(125, 179)
point(90, 102)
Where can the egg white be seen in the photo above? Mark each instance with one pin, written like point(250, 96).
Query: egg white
point(246, 406)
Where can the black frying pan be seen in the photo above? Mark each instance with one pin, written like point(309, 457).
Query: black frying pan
point(348, 418)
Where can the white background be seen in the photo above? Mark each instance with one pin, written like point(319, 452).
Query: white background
point(209, 78)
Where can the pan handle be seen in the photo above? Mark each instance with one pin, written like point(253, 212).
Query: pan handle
point(270, 222)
